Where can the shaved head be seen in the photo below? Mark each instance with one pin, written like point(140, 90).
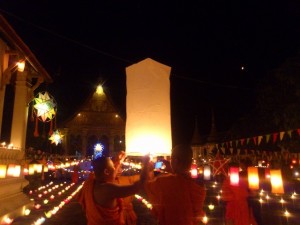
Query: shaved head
point(182, 155)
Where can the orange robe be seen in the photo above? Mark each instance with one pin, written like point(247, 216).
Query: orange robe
point(130, 217)
point(236, 197)
point(96, 214)
point(176, 200)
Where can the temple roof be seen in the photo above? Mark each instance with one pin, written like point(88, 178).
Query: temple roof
point(9, 35)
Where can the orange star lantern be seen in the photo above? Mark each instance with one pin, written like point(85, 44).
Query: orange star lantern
point(44, 109)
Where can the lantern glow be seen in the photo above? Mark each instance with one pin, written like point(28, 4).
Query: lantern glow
point(276, 182)
point(234, 176)
point(56, 137)
point(253, 178)
point(3, 171)
point(206, 172)
point(148, 123)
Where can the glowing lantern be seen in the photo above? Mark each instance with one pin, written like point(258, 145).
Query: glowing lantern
point(253, 178)
point(206, 172)
point(56, 137)
point(45, 109)
point(3, 171)
point(13, 170)
point(31, 169)
point(194, 171)
point(234, 176)
point(21, 66)
point(148, 123)
point(267, 173)
point(38, 167)
point(276, 182)
point(98, 150)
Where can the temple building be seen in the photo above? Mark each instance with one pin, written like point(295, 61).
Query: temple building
point(96, 123)
point(201, 145)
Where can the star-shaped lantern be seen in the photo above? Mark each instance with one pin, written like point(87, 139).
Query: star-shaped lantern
point(44, 106)
point(56, 137)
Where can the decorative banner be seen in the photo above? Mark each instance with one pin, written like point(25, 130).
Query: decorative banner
point(242, 141)
point(238, 151)
point(253, 178)
point(268, 138)
point(230, 143)
point(275, 137)
point(289, 133)
point(255, 140)
point(281, 134)
point(248, 139)
point(236, 143)
point(148, 122)
point(259, 139)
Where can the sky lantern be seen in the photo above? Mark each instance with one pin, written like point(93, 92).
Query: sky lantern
point(276, 182)
point(44, 109)
point(234, 176)
point(253, 178)
point(148, 122)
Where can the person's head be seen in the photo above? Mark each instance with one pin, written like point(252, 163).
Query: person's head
point(104, 168)
point(181, 158)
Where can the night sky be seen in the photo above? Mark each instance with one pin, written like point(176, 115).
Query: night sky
point(205, 42)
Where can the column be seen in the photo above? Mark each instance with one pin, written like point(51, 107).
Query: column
point(20, 111)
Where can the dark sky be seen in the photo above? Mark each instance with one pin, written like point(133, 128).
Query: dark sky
point(205, 42)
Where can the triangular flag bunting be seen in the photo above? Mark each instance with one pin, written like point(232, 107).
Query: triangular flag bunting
point(242, 141)
point(281, 134)
point(275, 137)
point(268, 138)
point(259, 139)
point(230, 143)
point(248, 139)
point(290, 133)
point(236, 143)
point(255, 140)
point(238, 151)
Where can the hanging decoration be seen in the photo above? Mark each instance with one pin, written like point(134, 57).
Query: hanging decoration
point(98, 150)
point(56, 137)
point(44, 109)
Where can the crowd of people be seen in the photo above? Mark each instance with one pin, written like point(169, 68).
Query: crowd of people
point(176, 198)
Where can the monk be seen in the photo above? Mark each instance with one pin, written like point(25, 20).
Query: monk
point(238, 211)
point(101, 197)
point(130, 217)
point(175, 197)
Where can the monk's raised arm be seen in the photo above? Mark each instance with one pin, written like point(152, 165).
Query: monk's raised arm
point(121, 191)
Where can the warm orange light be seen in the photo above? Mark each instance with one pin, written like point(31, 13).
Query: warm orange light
point(276, 182)
point(3, 171)
point(21, 66)
point(253, 178)
point(206, 172)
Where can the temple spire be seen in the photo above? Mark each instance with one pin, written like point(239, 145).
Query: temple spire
point(196, 139)
point(213, 131)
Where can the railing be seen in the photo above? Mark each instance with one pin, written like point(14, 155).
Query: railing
point(8, 156)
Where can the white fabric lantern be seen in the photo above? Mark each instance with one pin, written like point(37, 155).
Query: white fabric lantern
point(148, 122)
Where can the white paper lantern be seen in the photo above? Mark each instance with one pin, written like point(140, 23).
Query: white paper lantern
point(148, 122)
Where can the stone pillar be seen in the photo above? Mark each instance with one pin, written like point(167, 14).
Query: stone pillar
point(20, 111)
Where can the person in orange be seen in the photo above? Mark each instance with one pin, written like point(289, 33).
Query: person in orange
point(130, 217)
point(236, 197)
point(101, 197)
point(175, 197)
